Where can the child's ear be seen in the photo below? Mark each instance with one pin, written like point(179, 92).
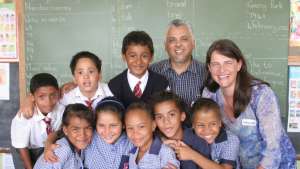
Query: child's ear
point(31, 97)
point(151, 59)
point(153, 125)
point(124, 57)
point(100, 76)
point(65, 130)
point(74, 80)
point(182, 116)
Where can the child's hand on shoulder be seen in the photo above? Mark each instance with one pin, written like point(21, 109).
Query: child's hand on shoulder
point(27, 108)
point(66, 88)
point(170, 166)
point(171, 143)
point(183, 151)
point(49, 155)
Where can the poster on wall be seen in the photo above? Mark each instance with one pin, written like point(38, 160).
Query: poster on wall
point(8, 33)
point(4, 81)
point(294, 99)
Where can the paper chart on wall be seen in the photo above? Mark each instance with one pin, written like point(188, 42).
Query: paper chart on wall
point(4, 81)
point(8, 33)
point(294, 99)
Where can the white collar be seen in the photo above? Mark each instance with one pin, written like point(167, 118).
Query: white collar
point(99, 93)
point(38, 115)
point(133, 80)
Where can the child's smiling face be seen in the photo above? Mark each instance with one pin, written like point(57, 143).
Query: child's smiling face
point(168, 118)
point(139, 128)
point(109, 126)
point(138, 58)
point(207, 125)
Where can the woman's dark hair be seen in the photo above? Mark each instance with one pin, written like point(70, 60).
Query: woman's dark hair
point(244, 80)
point(111, 104)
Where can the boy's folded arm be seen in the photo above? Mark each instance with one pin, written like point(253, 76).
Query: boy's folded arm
point(25, 157)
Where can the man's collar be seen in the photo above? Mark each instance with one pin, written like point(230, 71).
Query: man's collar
point(191, 68)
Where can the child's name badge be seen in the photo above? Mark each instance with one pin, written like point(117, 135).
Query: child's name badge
point(248, 122)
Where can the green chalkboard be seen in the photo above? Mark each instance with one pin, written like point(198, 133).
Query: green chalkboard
point(57, 29)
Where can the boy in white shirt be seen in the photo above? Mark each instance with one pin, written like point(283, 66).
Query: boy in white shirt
point(28, 135)
point(86, 70)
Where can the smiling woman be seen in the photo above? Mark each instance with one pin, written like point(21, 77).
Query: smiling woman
point(249, 109)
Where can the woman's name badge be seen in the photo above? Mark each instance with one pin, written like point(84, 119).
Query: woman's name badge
point(248, 122)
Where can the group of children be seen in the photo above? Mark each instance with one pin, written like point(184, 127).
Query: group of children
point(94, 117)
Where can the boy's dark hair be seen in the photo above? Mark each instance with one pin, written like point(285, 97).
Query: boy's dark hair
point(110, 104)
point(137, 38)
point(140, 106)
point(204, 105)
point(164, 96)
point(85, 54)
point(42, 80)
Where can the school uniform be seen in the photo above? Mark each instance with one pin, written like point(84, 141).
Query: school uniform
point(225, 149)
point(122, 86)
point(75, 96)
point(196, 143)
point(157, 157)
point(101, 155)
point(68, 157)
point(31, 133)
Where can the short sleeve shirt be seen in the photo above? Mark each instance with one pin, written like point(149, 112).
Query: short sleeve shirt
point(75, 96)
point(157, 157)
point(31, 133)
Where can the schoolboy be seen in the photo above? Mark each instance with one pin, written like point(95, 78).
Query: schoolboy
point(86, 70)
point(137, 82)
point(169, 115)
point(207, 125)
point(28, 135)
point(149, 152)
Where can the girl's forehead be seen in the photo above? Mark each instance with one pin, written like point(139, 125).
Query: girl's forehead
point(137, 115)
point(206, 114)
point(75, 121)
point(108, 114)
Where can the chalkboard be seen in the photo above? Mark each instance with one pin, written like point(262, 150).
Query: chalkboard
point(9, 107)
point(55, 30)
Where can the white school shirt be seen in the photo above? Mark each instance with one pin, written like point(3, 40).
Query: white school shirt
point(132, 80)
point(31, 133)
point(75, 96)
